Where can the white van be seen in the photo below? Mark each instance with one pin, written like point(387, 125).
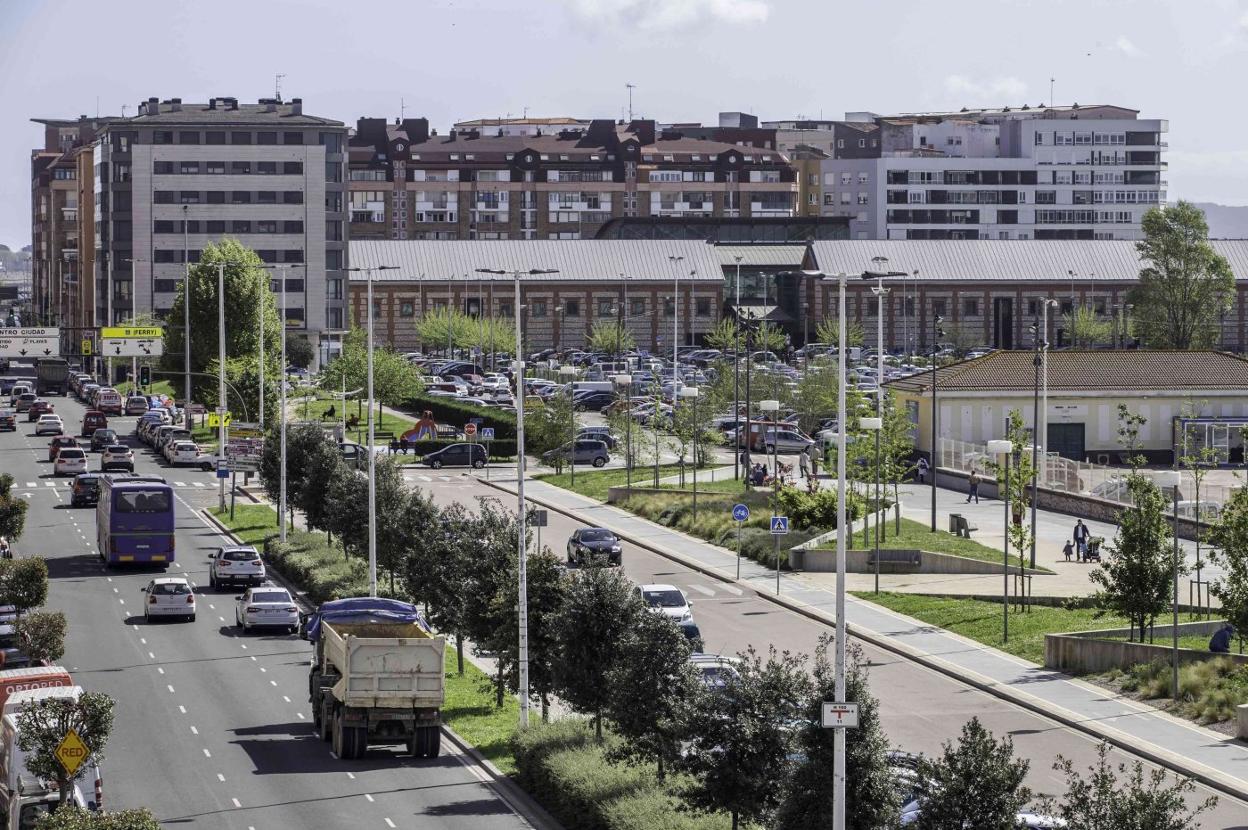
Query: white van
point(15, 779)
point(592, 386)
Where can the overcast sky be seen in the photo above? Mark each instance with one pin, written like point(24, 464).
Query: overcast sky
point(1183, 60)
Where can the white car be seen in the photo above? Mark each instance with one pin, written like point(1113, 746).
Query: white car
point(117, 457)
point(169, 596)
point(70, 461)
point(183, 452)
point(266, 606)
point(667, 600)
point(49, 425)
point(714, 668)
point(233, 565)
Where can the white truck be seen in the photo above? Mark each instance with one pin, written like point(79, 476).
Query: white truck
point(22, 795)
point(376, 676)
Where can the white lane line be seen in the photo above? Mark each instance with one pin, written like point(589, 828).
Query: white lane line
point(32, 484)
point(142, 640)
point(160, 670)
point(171, 691)
point(732, 589)
point(389, 823)
point(49, 484)
point(236, 802)
point(213, 607)
point(207, 754)
point(199, 484)
point(222, 619)
point(122, 601)
point(221, 778)
point(182, 709)
point(285, 698)
point(115, 591)
point(424, 478)
point(369, 797)
point(272, 682)
point(253, 657)
point(351, 775)
point(300, 714)
point(151, 656)
point(702, 589)
point(262, 668)
point(180, 483)
point(244, 645)
point(109, 578)
point(194, 731)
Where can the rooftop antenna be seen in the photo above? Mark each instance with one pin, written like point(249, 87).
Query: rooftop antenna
point(526, 112)
point(1050, 92)
point(631, 87)
point(97, 106)
point(402, 108)
point(123, 110)
point(277, 86)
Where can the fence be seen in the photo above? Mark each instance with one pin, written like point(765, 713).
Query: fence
point(1087, 479)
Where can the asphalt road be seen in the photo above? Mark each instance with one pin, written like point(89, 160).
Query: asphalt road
point(213, 729)
point(920, 708)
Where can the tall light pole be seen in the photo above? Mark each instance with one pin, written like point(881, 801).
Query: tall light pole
point(736, 373)
point(1042, 427)
point(875, 425)
point(186, 320)
point(372, 455)
point(522, 547)
point(281, 415)
point(691, 393)
point(937, 333)
point(773, 408)
point(568, 372)
point(221, 407)
point(676, 260)
point(626, 382)
point(1000, 446)
point(1172, 479)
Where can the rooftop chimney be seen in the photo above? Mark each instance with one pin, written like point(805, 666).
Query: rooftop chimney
point(269, 104)
point(175, 104)
point(153, 106)
point(296, 106)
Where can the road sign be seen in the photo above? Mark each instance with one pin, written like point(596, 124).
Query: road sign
point(740, 512)
point(71, 752)
point(214, 420)
point(839, 715)
point(132, 347)
point(132, 332)
point(779, 525)
point(223, 468)
point(539, 518)
point(470, 430)
point(487, 433)
point(86, 345)
point(30, 342)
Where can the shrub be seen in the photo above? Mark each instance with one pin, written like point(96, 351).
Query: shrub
point(450, 411)
point(815, 510)
point(1209, 690)
point(318, 569)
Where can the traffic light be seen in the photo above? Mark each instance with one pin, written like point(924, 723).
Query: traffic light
point(145, 376)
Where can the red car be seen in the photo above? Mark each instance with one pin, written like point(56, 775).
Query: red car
point(59, 443)
point(39, 408)
point(92, 420)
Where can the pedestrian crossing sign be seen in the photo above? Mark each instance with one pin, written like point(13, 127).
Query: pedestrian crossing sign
point(779, 525)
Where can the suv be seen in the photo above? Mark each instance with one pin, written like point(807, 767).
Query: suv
point(456, 455)
point(136, 405)
point(92, 420)
point(39, 408)
point(59, 443)
point(233, 565)
point(86, 490)
point(102, 438)
point(581, 451)
point(602, 433)
point(117, 457)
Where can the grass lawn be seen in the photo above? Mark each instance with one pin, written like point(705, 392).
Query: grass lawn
point(981, 621)
point(316, 409)
point(160, 387)
point(916, 535)
point(469, 710)
point(594, 483)
point(721, 486)
point(252, 523)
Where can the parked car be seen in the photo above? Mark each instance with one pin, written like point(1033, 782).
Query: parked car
point(592, 400)
point(581, 451)
point(117, 457)
point(136, 405)
point(266, 606)
point(599, 433)
point(70, 462)
point(59, 443)
point(86, 491)
point(39, 408)
point(712, 669)
point(589, 543)
point(186, 454)
point(786, 441)
point(233, 565)
point(103, 437)
point(49, 425)
point(169, 596)
point(456, 455)
point(92, 420)
point(667, 600)
point(8, 420)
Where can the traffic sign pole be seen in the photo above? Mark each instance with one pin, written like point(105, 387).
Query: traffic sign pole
point(779, 527)
point(740, 513)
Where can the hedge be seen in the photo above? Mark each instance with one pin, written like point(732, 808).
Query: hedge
point(450, 411)
point(322, 572)
point(566, 770)
point(498, 449)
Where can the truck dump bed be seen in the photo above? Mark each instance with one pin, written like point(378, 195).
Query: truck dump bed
point(384, 665)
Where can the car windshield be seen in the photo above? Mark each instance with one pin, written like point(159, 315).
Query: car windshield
point(665, 599)
point(171, 588)
point(143, 501)
point(71, 453)
point(597, 536)
point(240, 555)
point(270, 596)
point(117, 449)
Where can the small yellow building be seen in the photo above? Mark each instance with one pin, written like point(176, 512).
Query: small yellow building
point(1084, 389)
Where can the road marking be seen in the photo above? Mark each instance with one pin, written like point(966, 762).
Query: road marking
point(300, 714)
point(207, 754)
point(199, 484)
point(732, 589)
point(244, 645)
point(389, 823)
point(222, 619)
point(236, 802)
point(369, 797)
point(262, 668)
point(702, 589)
point(49, 484)
point(182, 709)
point(213, 607)
point(194, 731)
point(115, 591)
point(151, 656)
point(221, 778)
point(424, 478)
point(181, 483)
point(170, 688)
point(351, 775)
point(122, 601)
point(32, 484)
point(160, 670)
point(272, 682)
point(285, 698)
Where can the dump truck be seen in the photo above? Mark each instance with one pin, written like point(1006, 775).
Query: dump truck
point(376, 676)
point(52, 376)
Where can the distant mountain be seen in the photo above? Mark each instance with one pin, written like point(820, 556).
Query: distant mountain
point(1225, 221)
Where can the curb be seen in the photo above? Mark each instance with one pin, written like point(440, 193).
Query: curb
point(523, 804)
point(1157, 755)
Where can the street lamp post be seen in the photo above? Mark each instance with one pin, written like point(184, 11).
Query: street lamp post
point(937, 333)
point(736, 372)
point(1003, 447)
point(1037, 360)
point(773, 408)
point(691, 392)
point(522, 547)
point(1172, 479)
point(221, 408)
point(1042, 426)
point(875, 425)
point(626, 382)
point(569, 372)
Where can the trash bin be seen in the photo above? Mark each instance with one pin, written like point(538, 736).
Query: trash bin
point(953, 523)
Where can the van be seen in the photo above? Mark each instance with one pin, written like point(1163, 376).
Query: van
point(592, 386)
point(13, 681)
point(109, 401)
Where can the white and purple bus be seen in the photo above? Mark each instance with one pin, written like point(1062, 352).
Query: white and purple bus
point(135, 522)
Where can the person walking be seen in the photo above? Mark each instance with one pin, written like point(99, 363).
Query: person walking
point(973, 493)
point(922, 470)
point(1068, 549)
point(1082, 535)
point(803, 464)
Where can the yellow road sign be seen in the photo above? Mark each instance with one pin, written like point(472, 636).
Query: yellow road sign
point(86, 346)
point(214, 420)
point(127, 332)
point(71, 752)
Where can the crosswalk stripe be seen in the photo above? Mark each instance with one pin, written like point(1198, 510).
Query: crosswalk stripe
point(424, 478)
point(180, 483)
point(32, 484)
point(732, 589)
point(199, 484)
point(702, 589)
point(49, 484)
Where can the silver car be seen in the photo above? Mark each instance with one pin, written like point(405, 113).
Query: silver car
point(787, 441)
point(266, 606)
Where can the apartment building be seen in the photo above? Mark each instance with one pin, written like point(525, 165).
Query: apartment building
point(408, 182)
point(1056, 173)
point(177, 176)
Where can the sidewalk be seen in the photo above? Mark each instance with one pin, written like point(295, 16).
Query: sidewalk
point(1208, 756)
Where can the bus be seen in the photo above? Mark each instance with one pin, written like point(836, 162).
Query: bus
point(135, 522)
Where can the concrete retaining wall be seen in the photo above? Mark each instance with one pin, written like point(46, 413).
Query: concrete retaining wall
point(858, 562)
point(1086, 652)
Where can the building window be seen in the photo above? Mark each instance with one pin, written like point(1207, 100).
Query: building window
point(266, 197)
point(504, 309)
point(292, 226)
point(669, 307)
point(938, 308)
point(292, 168)
point(637, 307)
point(216, 197)
point(240, 197)
point(572, 308)
point(188, 138)
point(266, 138)
point(240, 226)
point(333, 231)
point(292, 197)
point(240, 168)
point(606, 308)
point(538, 308)
point(703, 306)
point(214, 137)
point(216, 226)
point(407, 309)
point(292, 138)
point(863, 199)
point(161, 168)
point(214, 168)
point(162, 137)
point(970, 308)
point(188, 197)
point(240, 138)
point(189, 168)
point(266, 168)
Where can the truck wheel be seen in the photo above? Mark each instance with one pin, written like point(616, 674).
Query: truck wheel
point(416, 743)
point(433, 741)
point(354, 742)
point(327, 722)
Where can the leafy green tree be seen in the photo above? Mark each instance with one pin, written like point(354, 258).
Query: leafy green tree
point(723, 336)
point(1018, 492)
point(438, 568)
point(491, 568)
point(1185, 285)
point(1229, 538)
point(546, 591)
point(977, 783)
point(393, 514)
point(12, 511)
point(322, 466)
point(42, 635)
point(599, 611)
point(828, 332)
point(871, 796)
point(491, 334)
point(549, 427)
point(442, 327)
point(299, 350)
point(962, 337)
point(43, 724)
point(611, 337)
point(1135, 580)
point(1129, 426)
point(301, 440)
point(1085, 328)
point(1107, 798)
point(24, 583)
point(896, 447)
point(395, 379)
point(76, 818)
point(767, 337)
point(741, 738)
point(653, 685)
point(248, 299)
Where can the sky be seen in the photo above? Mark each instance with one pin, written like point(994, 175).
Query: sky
point(448, 60)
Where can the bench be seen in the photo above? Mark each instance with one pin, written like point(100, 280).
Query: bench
point(896, 560)
point(960, 526)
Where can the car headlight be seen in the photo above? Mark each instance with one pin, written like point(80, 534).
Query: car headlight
point(688, 615)
point(615, 548)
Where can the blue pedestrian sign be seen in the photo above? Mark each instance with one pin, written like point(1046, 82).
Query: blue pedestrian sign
point(487, 433)
point(779, 525)
point(740, 512)
point(223, 468)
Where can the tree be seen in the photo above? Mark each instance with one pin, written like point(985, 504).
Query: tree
point(1135, 580)
point(550, 426)
point(12, 511)
point(24, 583)
point(1086, 328)
point(723, 336)
point(246, 292)
point(395, 379)
point(871, 795)
point(546, 590)
point(978, 783)
point(599, 611)
point(42, 636)
point(76, 818)
point(741, 738)
point(611, 337)
point(828, 332)
point(301, 441)
point(437, 568)
point(766, 336)
point(653, 685)
point(1099, 799)
point(346, 513)
point(394, 510)
point(1229, 538)
point(1129, 426)
point(443, 327)
point(1020, 474)
point(322, 466)
point(1185, 286)
point(43, 724)
point(962, 337)
point(299, 351)
point(896, 447)
point(491, 568)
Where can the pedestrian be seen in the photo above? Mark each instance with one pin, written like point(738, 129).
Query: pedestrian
point(922, 469)
point(1068, 550)
point(814, 465)
point(1082, 535)
point(803, 464)
point(1220, 642)
point(973, 481)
